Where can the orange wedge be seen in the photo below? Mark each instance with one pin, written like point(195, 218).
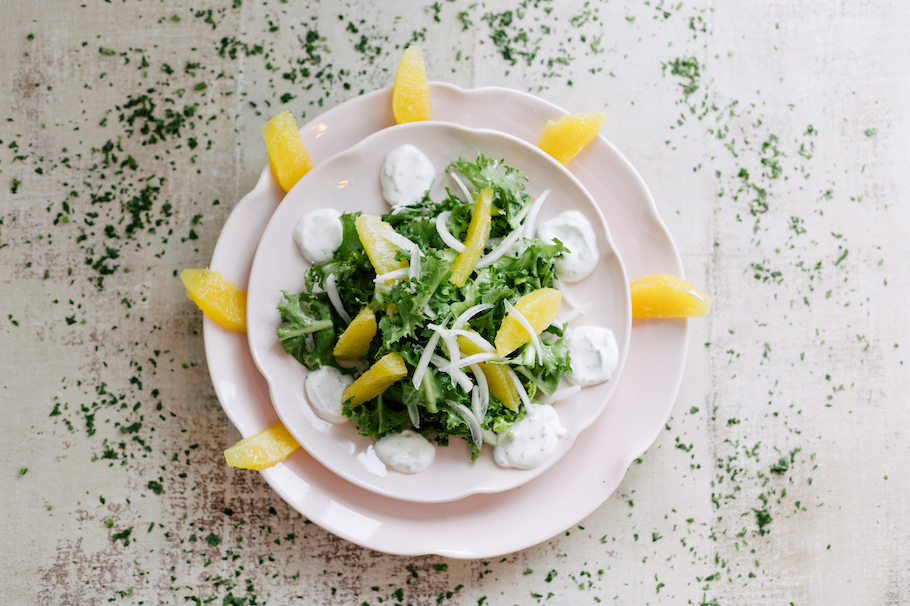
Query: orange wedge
point(540, 307)
point(661, 296)
point(411, 94)
point(265, 449)
point(288, 157)
point(565, 137)
point(478, 233)
point(354, 342)
point(380, 376)
point(380, 251)
point(501, 385)
point(217, 297)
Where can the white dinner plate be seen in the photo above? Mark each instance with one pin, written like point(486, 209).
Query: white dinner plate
point(482, 525)
point(349, 182)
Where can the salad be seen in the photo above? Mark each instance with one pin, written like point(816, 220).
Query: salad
point(447, 311)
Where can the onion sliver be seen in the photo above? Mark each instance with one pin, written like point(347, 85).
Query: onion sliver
point(521, 388)
point(444, 233)
point(559, 395)
point(458, 376)
point(332, 290)
point(475, 359)
point(424, 361)
point(476, 339)
point(577, 312)
point(401, 272)
point(493, 256)
point(464, 190)
point(398, 240)
point(532, 214)
point(469, 313)
point(561, 287)
point(473, 425)
point(415, 416)
point(527, 326)
point(482, 393)
point(527, 374)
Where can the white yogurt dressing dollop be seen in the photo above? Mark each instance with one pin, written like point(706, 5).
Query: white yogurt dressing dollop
point(319, 234)
point(533, 440)
point(575, 231)
point(405, 452)
point(593, 354)
point(324, 387)
point(406, 175)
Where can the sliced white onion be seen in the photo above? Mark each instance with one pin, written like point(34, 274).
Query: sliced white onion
point(469, 313)
point(414, 267)
point(464, 190)
point(493, 256)
point(444, 233)
point(532, 214)
point(415, 416)
point(476, 339)
point(480, 397)
point(559, 395)
point(473, 425)
point(528, 375)
point(428, 312)
point(424, 361)
point(468, 361)
point(561, 287)
point(491, 437)
point(332, 290)
point(398, 240)
point(577, 312)
point(521, 388)
point(527, 326)
point(458, 376)
point(401, 272)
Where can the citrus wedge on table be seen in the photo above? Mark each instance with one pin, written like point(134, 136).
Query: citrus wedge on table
point(265, 449)
point(380, 376)
point(662, 296)
point(539, 307)
point(411, 94)
point(354, 342)
point(565, 137)
point(288, 158)
point(217, 297)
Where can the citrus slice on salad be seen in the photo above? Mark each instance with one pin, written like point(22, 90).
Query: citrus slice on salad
point(380, 376)
point(380, 251)
point(500, 383)
point(565, 137)
point(539, 307)
point(354, 342)
point(411, 94)
point(288, 158)
point(217, 297)
point(663, 296)
point(265, 449)
point(476, 240)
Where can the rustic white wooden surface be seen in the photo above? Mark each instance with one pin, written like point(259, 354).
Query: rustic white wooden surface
point(806, 364)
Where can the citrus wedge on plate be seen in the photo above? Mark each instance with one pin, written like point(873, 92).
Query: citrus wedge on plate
point(265, 449)
point(565, 137)
point(662, 296)
point(217, 297)
point(354, 342)
point(539, 307)
point(411, 94)
point(380, 376)
point(288, 158)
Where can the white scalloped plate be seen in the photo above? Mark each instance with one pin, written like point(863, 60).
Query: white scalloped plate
point(349, 182)
point(482, 525)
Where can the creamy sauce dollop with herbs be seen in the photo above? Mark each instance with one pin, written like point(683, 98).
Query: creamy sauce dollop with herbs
point(533, 440)
point(324, 387)
point(593, 354)
point(405, 452)
point(406, 175)
point(575, 231)
point(319, 234)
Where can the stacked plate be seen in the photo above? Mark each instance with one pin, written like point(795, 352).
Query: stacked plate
point(453, 509)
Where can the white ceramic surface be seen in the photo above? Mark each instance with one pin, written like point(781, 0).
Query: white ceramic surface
point(480, 525)
point(349, 182)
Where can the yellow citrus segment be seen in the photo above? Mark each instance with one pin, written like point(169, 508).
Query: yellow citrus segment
point(217, 297)
point(354, 342)
point(380, 251)
point(411, 94)
point(478, 232)
point(265, 449)
point(539, 307)
point(380, 376)
point(565, 137)
point(288, 157)
point(501, 385)
point(662, 296)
